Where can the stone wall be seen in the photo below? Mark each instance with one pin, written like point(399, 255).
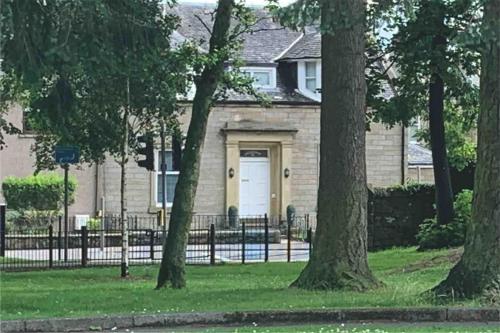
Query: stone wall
point(385, 160)
point(395, 214)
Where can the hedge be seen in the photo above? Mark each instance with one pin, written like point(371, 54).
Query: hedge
point(41, 192)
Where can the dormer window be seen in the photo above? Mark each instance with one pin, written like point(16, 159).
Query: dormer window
point(264, 77)
point(311, 76)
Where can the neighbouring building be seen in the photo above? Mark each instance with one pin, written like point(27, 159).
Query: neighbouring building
point(258, 159)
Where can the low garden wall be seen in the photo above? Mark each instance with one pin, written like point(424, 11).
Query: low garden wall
point(395, 214)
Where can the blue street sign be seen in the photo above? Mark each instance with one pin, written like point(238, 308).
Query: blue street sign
point(67, 154)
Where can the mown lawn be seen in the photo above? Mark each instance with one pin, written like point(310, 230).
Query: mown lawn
point(97, 291)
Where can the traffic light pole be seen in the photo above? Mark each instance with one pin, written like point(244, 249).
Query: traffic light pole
point(164, 180)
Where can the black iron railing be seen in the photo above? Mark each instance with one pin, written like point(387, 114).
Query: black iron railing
point(212, 239)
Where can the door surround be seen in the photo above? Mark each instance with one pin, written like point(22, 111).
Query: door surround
point(279, 142)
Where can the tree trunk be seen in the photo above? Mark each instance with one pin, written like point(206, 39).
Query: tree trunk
point(174, 249)
point(339, 259)
point(442, 178)
point(480, 263)
point(123, 188)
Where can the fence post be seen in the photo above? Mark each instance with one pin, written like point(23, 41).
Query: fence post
point(59, 237)
point(2, 230)
point(66, 239)
point(289, 242)
point(51, 245)
point(212, 244)
point(84, 245)
point(152, 244)
point(309, 239)
point(243, 241)
point(266, 238)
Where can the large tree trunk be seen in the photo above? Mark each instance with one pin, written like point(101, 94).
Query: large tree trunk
point(480, 263)
point(339, 258)
point(174, 249)
point(442, 178)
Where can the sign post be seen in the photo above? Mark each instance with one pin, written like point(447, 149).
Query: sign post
point(66, 155)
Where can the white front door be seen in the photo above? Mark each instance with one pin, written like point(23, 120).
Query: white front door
point(254, 186)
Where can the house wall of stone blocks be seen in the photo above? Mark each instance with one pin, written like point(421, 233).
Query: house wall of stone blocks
point(386, 158)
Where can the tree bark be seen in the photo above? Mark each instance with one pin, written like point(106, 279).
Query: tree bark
point(123, 188)
point(442, 178)
point(480, 263)
point(174, 250)
point(339, 258)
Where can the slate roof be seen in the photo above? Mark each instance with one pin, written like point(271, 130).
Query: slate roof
point(268, 41)
point(307, 47)
point(418, 155)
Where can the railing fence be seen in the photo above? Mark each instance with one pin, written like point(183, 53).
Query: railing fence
point(212, 239)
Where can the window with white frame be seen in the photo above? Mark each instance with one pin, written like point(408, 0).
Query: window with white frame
point(172, 174)
point(264, 77)
point(311, 76)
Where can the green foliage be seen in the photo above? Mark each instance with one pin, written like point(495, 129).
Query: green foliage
point(26, 220)
point(94, 224)
point(433, 235)
point(43, 192)
point(409, 188)
point(76, 86)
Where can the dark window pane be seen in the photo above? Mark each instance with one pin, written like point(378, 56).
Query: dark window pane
point(253, 153)
point(170, 185)
point(168, 161)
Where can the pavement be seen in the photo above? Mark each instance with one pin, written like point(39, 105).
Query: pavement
point(164, 321)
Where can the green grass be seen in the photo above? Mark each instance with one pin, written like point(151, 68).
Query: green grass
point(98, 291)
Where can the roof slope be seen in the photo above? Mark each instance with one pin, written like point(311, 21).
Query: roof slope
point(418, 155)
point(307, 47)
point(266, 43)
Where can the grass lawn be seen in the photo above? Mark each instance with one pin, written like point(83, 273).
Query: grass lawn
point(97, 291)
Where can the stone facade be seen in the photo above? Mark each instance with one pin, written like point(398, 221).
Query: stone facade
point(386, 163)
point(385, 160)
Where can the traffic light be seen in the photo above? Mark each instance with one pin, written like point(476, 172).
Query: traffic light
point(146, 148)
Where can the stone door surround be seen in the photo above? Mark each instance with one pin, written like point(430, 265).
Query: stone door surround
point(278, 139)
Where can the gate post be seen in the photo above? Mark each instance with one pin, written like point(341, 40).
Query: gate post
point(309, 239)
point(84, 245)
point(289, 242)
point(2, 230)
point(212, 244)
point(59, 235)
point(243, 241)
point(151, 245)
point(51, 245)
point(266, 238)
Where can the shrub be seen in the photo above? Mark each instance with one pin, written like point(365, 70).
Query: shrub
point(29, 219)
point(94, 224)
point(434, 236)
point(43, 192)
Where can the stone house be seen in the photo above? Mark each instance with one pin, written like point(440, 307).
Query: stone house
point(258, 159)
